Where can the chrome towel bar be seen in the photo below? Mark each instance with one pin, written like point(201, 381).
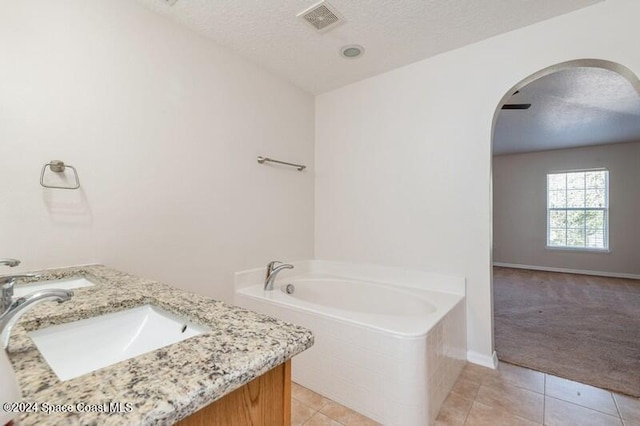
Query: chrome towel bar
point(263, 160)
point(58, 166)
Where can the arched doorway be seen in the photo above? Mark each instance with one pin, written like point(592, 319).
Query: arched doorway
point(565, 324)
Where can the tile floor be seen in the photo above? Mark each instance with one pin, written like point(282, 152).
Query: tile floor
point(508, 396)
point(513, 396)
point(311, 409)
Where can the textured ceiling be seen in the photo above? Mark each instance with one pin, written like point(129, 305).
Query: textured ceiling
point(571, 108)
point(393, 32)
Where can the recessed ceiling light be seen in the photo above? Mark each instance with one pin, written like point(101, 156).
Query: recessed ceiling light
point(352, 51)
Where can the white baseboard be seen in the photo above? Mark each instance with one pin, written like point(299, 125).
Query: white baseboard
point(568, 271)
point(483, 360)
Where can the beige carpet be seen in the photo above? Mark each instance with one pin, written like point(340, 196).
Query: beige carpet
point(579, 327)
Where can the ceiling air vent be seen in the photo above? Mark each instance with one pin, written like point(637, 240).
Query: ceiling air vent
point(516, 106)
point(322, 16)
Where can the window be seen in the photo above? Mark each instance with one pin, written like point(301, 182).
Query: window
point(578, 210)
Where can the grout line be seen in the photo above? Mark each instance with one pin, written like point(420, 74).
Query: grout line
point(544, 398)
point(466, 416)
point(585, 407)
point(508, 382)
point(513, 384)
point(310, 417)
point(615, 402)
point(509, 413)
point(319, 410)
point(306, 405)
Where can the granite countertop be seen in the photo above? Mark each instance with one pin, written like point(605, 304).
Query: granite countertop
point(163, 386)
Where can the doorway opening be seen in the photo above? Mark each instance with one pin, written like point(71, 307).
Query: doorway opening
point(566, 224)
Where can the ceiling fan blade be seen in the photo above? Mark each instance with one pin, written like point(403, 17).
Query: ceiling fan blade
point(516, 106)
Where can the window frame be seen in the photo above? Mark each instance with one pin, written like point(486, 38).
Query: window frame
point(606, 210)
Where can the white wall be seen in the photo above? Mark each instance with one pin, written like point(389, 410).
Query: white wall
point(520, 208)
point(403, 159)
point(164, 128)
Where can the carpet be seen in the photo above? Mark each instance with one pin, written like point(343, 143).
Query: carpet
point(579, 327)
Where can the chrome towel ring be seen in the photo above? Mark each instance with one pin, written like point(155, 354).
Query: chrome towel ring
point(58, 166)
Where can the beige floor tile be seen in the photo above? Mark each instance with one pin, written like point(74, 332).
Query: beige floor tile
point(300, 412)
point(475, 373)
point(454, 410)
point(337, 412)
point(482, 415)
point(307, 396)
point(562, 413)
point(629, 409)
point(466, 388)
point(517, 401)
point(518, 376)
point(358, 419)
point(320, 419)
point(581, 394)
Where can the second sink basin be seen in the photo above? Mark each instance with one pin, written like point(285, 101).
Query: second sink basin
point(77, 348)
point(65, 284)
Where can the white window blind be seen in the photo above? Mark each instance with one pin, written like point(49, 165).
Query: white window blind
point(578, 210)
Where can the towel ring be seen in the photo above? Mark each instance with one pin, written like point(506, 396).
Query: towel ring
point(58, 166)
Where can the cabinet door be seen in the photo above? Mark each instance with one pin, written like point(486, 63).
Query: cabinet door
point(265, 401)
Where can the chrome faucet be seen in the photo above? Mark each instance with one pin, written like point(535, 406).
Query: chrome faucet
point(6, 285)
point(11, 310)
point(272, 271)
point(9, 262)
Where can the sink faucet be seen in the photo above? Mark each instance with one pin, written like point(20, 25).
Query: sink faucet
point(6, 286)
point(272, 271)
point(11, 310)
point(9, 262)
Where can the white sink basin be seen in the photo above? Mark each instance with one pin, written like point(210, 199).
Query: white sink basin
point(87, 345)
point(20, 290)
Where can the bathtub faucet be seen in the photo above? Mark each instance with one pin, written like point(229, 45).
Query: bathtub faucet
point(272, 271)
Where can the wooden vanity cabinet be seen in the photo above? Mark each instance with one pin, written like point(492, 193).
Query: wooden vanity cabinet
point(265, 401)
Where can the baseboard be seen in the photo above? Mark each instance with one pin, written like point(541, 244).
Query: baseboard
point(490, 361)
point(568, 271)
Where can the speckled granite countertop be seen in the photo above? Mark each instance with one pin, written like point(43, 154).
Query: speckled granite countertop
point(165, 385)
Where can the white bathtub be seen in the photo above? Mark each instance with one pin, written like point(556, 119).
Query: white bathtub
point(389, 351)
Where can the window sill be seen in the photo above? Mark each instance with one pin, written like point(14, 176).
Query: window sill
point(579, 249)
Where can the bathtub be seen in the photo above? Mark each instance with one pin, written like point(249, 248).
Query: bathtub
point(389, 343)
